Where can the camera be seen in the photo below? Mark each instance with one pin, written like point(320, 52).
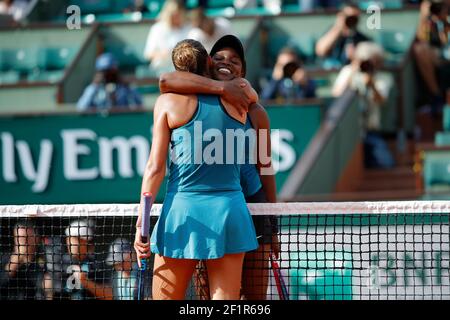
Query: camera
point(351, 22)
point(290, 68)
point(367, 67)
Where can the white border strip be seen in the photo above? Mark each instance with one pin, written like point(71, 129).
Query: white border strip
point(300, 208)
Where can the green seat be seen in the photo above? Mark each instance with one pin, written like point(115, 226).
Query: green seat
point(119, 17)
point(395, 41)
point(220, 12)
point(305, 44)
point(9, 77)
point(384, 4)
point(446, 118)
point(436, 169)
point(20, 60)
point(128, 56)
point(190, 4)
point(220, 3)
point(93, 6)
point(442, 139)
point(46, 76)
point(56, 58)
point(154, 6)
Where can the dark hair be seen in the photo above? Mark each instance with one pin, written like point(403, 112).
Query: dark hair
point(436, 7)
point(190, 56)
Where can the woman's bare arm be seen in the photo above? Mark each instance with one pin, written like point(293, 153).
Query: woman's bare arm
point(238, 92)
point(155, 169)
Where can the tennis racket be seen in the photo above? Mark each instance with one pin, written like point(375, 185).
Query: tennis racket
point(147, 201)
point(281, 285)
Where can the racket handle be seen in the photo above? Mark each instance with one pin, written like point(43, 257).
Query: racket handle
point(147, 201)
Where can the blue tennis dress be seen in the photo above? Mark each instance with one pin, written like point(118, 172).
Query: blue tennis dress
point(204, 215)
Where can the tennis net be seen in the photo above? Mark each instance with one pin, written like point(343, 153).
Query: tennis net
point(327, 251)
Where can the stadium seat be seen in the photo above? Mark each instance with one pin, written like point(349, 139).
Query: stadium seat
point(442, 139)
point(304, 43)
point(56, 58)
point(396, 42)
point(46, 76)
point(128, 56)
point(436, 170)
point(9, 77)
point(19, 60)
point(220, 3)
point(446, 118)
point(384, 4)
point(93, 6)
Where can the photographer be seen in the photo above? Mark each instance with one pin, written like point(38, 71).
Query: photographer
point(432, 50)
point(338, 45)
point(289, 79)
point(21, 274)
point(107, 90)
point(74, 272)
point(373, 87)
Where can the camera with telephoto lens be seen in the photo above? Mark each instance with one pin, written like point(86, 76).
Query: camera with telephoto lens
point(290, 68)
point(367, 67)
point(351, 22)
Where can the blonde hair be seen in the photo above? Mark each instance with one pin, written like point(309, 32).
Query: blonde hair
point(368, 50)
point(169, 8)
point(190, 56)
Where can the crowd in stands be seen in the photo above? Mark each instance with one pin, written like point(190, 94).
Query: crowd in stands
point(17, 9)
point(343, 47)
point(67, 266)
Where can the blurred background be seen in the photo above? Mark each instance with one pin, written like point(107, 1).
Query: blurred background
point(357, 97)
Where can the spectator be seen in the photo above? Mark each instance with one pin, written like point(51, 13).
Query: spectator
point(125, 278)
point(431, 49)
point(107, 90)
point(362, 75)
point(289, 79)
point(18, 9)
point(75, 272)
point(208, 30)
point(21, 276)
point(170, 29)
point(338, 44)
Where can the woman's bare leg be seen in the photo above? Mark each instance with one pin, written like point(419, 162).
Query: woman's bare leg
point(255, 276)
point(171, 277)
point(224, 276)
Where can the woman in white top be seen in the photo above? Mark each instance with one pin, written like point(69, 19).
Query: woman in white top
point(170, 29)
point(208, 30)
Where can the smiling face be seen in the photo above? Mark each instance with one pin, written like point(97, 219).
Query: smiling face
point(226, 65)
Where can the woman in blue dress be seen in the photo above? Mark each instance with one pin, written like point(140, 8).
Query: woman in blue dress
point(204, 215)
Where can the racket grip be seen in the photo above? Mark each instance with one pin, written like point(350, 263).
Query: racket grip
point(147, 201)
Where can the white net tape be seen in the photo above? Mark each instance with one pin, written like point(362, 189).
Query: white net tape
point(383, 207)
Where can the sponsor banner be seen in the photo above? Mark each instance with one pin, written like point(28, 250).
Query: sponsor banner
point(99, 158)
